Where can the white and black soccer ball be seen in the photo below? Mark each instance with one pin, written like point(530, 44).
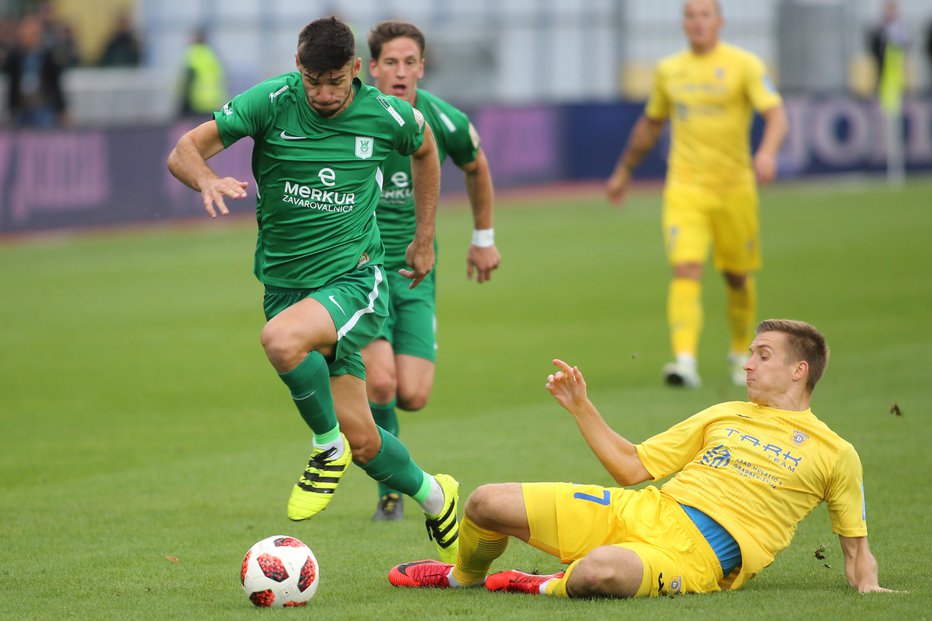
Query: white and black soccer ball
point(280, 571)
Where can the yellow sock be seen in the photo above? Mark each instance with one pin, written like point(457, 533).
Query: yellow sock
point(684, 314)
point(557, 587)
point(478, 548)
point(742, 308)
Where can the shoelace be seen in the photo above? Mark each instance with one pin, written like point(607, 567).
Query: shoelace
point(432, 575)
point(321, 459)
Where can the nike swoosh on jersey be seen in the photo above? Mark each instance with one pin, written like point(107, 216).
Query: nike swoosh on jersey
point(286, 136)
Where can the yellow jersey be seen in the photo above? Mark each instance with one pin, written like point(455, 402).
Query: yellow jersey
point(758, 472)
point(710, 100)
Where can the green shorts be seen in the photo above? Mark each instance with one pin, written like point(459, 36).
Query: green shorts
point(358, 304)
point(411, 326)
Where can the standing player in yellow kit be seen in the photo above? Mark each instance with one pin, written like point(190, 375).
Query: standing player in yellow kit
point(709, 93)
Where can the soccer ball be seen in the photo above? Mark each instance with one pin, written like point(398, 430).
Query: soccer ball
point(279, 571)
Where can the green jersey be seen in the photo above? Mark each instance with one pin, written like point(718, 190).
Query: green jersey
point(318, 178)
point(455, 137)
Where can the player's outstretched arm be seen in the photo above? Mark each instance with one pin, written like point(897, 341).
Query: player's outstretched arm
point(425, 176)
point(188, 163)
point(643, 137)
point(860, 565)
point(482, 257)
point(618, 455)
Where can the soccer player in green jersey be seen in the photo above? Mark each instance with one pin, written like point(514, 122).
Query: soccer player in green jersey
point(744, 474)
point(400, 361)
point(320, 138)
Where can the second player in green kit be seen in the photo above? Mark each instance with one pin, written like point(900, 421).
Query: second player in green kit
point(400, 361)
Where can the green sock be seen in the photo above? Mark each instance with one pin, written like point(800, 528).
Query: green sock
point(386, 418)
point(310, 388)
point(394, 467)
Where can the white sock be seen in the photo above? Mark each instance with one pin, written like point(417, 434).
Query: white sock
point(686, 360)
point(433, 504)
point(454, 583)
point(337, 444)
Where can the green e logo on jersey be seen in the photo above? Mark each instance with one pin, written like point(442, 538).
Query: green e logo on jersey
point(364, 147)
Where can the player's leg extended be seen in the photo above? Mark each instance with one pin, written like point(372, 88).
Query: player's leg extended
point(414, 341)
point(492, 513)
point(737, 256)
point(684, 310)
point(400, 366)
point(741, 292)
point(384, 458)
point(296, 341)
point(687, 241)
point(381, 383)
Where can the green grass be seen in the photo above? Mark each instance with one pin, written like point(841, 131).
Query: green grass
point(140, 421)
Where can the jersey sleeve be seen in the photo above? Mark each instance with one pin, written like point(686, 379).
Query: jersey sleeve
point(669, 451)
point(658, 104)
point(760, 90)
point(845, 496)
point(459, 135)
point(245, 114)
point(408, 123)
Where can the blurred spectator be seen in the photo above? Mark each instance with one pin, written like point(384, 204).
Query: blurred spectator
point(34, 92)
point(929, 50)
point(123, 48)
point(7, 37)
point(203, 87)
point(58, 37)
point(891, 31)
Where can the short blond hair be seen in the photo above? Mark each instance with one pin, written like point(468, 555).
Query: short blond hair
point(804, 342)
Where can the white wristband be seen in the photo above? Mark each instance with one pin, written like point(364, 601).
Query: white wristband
point(483, 238)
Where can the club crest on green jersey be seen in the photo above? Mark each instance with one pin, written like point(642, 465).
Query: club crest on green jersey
point(364, 147)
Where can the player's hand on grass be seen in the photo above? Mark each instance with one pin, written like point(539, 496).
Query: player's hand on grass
point(420, 258)
point(482, 261)
point(568, 386)
point(214, 191)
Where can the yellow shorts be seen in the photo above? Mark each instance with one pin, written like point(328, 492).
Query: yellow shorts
point(569, 521)
point(695, 219)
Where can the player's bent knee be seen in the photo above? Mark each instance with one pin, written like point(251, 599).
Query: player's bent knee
point(380, 388)
point(413, 401)
point(279, 348)
point(606, 571)
point(480, 504)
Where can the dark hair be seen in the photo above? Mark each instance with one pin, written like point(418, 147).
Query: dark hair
point(325, 45)
point(384, 32)
point(805, 342)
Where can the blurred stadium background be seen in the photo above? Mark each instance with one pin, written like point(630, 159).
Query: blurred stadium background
point(553, 88)
point(147, 444)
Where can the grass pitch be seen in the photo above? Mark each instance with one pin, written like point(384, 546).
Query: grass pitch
point(147, 443)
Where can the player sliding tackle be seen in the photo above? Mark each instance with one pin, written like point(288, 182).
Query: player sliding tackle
point(744, 475)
